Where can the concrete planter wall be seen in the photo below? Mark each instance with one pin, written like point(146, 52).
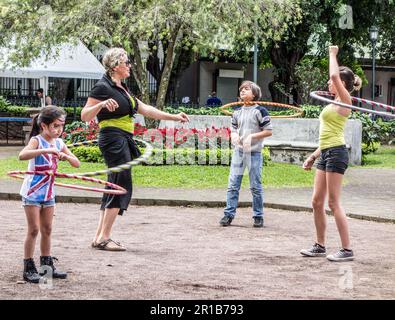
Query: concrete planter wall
point(292, 140)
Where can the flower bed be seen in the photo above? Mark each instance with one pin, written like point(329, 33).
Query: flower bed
point(171, 145)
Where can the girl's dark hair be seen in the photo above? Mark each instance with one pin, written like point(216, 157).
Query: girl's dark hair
point(47, 115)
point(352, 82)
point(256, 90)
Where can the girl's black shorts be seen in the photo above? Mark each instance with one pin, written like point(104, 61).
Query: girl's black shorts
point(334, 159)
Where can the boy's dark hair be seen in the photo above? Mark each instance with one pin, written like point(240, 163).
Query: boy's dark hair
point(47, 115)
point(352, 82)
point(41, 90)
point(256, 90)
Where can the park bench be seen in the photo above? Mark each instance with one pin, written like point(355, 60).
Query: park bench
point(8, 120)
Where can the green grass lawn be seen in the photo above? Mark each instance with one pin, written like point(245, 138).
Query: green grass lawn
point(200, 177)
point(275, 175)
point(382, 158)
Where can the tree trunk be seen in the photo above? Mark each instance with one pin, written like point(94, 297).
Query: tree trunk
point(61, 87)
point(167, 68)
point(154, 64)
point(285, 60)
point(139, 72)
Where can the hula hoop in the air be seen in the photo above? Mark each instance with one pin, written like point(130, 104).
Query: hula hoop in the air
point(323, 96)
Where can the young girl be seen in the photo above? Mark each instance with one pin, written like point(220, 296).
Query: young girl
point(333, 161)
point(44, 150)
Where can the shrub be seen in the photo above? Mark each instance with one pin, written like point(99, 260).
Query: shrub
point(214, 111)
point(372, 131)
point(368, 148)
point(70, 111)
point(184, 156)
point(194, 111)
point(311, 76)
point(373, 147)
point(4, 104)
point(88, 154)
point(311, 111)
point(15, 111)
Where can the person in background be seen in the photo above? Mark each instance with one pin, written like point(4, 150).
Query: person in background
point(213, 100)
point(43, 102)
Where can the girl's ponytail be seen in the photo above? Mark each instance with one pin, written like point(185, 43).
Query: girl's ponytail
point(35, 127)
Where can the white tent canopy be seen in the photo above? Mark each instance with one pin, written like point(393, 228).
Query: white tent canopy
point(73, 61)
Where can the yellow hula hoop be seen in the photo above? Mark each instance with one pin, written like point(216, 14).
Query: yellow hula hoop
point(298, 110)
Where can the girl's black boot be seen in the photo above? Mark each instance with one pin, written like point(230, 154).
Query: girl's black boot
point(30, 273)
point(48, 261)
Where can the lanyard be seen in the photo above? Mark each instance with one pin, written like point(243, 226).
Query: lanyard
point(130, 97)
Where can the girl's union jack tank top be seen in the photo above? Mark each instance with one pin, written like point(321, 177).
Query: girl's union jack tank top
point(40, 187)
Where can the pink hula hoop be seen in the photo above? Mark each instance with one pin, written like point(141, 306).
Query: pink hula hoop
point(116, 190)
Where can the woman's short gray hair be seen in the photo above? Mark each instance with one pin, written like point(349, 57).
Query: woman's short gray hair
point(112, 57)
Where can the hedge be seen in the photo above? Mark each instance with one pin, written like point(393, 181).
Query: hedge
point(180, 156)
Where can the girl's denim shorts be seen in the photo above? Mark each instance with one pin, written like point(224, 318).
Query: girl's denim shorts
point(40, 204)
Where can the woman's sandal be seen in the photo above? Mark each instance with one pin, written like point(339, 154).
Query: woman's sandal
point(109, 245)
point(94, 244)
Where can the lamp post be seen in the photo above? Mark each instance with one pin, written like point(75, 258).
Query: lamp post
point(373, 35)
point(255, 73)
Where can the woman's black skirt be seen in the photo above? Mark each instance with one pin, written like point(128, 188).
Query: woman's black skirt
point(118, 147)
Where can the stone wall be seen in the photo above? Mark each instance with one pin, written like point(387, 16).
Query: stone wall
point(292, 140)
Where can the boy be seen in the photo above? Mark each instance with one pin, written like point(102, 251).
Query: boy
point(250, 125)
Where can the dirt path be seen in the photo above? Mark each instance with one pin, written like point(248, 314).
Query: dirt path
point(182, 253)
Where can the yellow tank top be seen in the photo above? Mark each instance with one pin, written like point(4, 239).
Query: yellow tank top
point(331, 128)
point(125, 123)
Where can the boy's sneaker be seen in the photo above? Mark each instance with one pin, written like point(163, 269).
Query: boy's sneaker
point(226, 221)
point(341, 255)
point(315, 251)
point(258, 222)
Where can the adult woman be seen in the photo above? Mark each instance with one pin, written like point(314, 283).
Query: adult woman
point(333, 161)
point(114, 108)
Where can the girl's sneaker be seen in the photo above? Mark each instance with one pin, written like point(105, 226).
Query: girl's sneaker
point(315, 251)
point(341, 255)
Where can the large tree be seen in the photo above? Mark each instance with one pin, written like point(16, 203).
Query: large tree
point(142, 27)
point(323, 22)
